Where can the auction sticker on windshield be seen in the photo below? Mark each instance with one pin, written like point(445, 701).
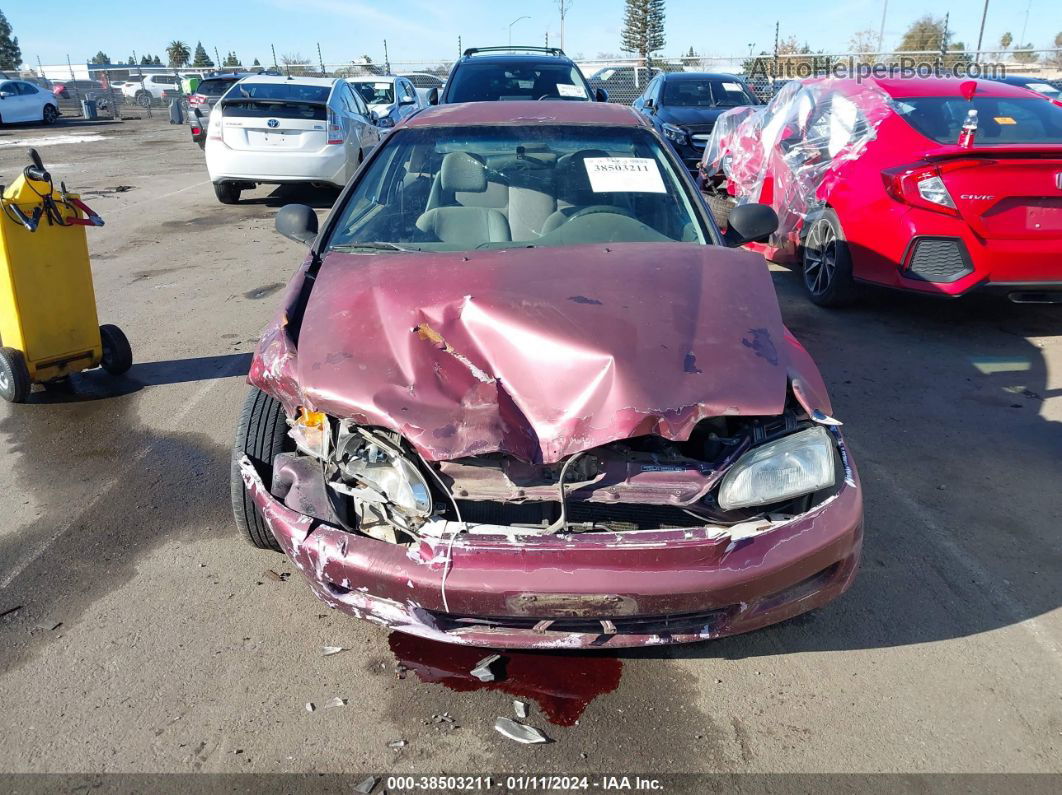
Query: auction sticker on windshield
point(624, 175)
point(568, 90)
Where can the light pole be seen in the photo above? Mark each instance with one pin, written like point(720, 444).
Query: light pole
point(511, 28)
point(981, 35)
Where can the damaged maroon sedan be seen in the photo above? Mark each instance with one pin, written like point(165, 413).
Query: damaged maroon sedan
point(523, 393)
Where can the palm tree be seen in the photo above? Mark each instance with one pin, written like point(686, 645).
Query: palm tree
point(178, 53)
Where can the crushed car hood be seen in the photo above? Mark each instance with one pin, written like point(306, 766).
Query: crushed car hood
point(541, 353)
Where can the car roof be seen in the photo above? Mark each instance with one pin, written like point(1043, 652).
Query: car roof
point(897, 87)
point(509, 57)
point(702, 76)
point(517, 112)
point(373, 78)
point(295, 79)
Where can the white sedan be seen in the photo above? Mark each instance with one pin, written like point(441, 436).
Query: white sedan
point(284, 130)
point(391, 98)
point(22, 101)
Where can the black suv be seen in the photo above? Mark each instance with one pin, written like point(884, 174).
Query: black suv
point(491, 74)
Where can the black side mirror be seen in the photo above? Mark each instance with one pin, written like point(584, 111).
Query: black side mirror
point(648, 104)
point(600, 95)
point(433, 96)
point(297, 222)
point(750, 223)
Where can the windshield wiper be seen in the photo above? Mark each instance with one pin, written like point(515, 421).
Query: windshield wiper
point(372, 246)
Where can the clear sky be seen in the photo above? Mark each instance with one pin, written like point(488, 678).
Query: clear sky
point(427, 30)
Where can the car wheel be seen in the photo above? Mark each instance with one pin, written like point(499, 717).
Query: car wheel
point(50, 114)
point(14, 376)
point(117, 354)
point(262, 435)
point(143, 99)
point(227, 192)
point(827, 262)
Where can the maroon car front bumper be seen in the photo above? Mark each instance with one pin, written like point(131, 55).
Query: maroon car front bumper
point(591, 590)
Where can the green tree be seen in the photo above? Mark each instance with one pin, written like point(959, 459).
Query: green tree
point(256, 63)
point(131, 61)
point(178, 53)
point(201, 59)
point(156, 61)
point(643, 27)
point(10, 52)
point(925, 34)
point(231, 60)
point(1006, 40)
point(1023, 53)
point(101, 58)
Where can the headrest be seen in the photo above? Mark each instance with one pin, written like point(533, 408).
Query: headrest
point(463, 172)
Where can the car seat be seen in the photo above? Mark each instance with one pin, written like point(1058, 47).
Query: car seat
point(464, 172)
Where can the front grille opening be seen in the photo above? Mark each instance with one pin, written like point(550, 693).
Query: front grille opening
point(618, 517)
point(677, 624)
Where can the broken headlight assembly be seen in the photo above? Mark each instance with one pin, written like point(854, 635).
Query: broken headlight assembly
point(794, 465)
point(375, 471)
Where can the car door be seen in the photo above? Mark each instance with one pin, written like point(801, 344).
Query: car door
point(403, 94)
point(34, 98)
point(368, 134)
point(357, 124)
point(13, 106)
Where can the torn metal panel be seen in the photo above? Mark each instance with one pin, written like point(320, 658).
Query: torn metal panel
point(478, 352)
point(650, 587)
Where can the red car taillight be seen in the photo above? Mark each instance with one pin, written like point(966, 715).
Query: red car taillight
point(335, 131)
point(195, 100)
point(922, 184)
point(196, 131)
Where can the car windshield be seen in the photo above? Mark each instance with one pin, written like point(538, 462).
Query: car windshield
point(216, 86)
point(690, 92)
point(493, 81)
point(280, 100)
point(1046, 89)
point(382, 93)
point(290, 91)
point(456, 189)
point(999, 120)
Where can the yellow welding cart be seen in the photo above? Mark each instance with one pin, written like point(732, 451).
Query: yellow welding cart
point(48, 323)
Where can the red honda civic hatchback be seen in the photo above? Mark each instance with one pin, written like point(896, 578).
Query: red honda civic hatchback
point(934, 185)
point(523, 393)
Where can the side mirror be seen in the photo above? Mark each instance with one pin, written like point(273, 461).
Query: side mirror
point(649, 104)
point(433, 96)
point(407, 101)
point(600, 95)
point(374, 117)
point(750, 223)
point(297, 222)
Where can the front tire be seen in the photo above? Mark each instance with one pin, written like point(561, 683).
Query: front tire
point(827, 262)
point(227, 192)
point(14, 376)
point(261, 435)
point(117, 354)
point(50, 114)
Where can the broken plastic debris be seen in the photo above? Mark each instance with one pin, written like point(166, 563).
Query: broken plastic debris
point(335, 702)
point(365, 786)
point(396, 744)
point(328, 651)
point(482, 671)
point(310, 706)
point(276, 576)
point(520, 708)
point(519, 732)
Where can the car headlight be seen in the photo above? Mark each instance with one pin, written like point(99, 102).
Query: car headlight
point(377, 470)
point(789, 467)
point(676, 134)
point(311, 432)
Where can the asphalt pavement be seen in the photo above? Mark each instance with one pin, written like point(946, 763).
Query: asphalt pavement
point(141, 634)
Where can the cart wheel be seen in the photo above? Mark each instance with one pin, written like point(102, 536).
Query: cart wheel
point(117, 355)
point(14, 376)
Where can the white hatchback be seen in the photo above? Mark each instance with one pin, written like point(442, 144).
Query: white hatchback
point(282, 130)
point(22, 101)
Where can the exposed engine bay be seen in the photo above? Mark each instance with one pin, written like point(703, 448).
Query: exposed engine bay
point(730, 471)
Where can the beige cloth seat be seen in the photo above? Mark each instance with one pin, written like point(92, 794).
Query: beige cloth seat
point(462, 173)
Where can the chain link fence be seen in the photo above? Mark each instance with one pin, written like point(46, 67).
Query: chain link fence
point(135, 91)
